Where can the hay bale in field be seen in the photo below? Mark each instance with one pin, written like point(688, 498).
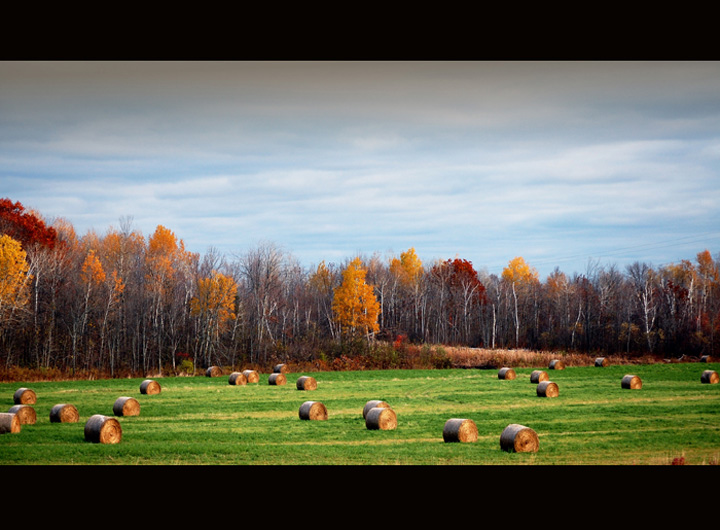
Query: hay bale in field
point(539, 375)
point(25, 413)
point(251, 375)
point(64, 413)
point(601, 362)
point(214, 371)
point(372, 404)
point(24, 396)
point(631, 381)
point(556, 364)
point(306, 383)
point(460, 430)
point(9, 423)
point(313, 410)
point(237, 378)
point(126, 406)
point(149, 387)
point(103, 429)
point(280, 369)
point(381, 418)
point(548, 389)
point(517, 438)
point(709, 376)
point(277, 379)
point(506, 373)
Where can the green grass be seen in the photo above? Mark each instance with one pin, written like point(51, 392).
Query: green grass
point(206, 421)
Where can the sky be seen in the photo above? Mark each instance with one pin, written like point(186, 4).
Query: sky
point(569, 164)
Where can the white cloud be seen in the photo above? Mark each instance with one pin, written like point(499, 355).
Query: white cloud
point(485, 160)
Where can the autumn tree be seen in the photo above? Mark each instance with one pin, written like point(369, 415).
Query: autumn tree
point(678, 285)
point(708, 306)
point(25, 226)
point(354, 303)
point(522, 278)
point(169, 273)
point(457, 294)
point(407, 273)
point(122, 252)
point(408, 268)
point(14, 280)
point(214, 307)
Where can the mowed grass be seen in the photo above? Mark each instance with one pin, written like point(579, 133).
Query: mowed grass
point(206, 421)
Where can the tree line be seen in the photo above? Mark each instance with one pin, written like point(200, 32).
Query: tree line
point(122, 301)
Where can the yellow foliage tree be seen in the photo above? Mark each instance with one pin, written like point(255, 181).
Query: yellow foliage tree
point(321, 279)
point(520, 276)
point(14, 277)
point(519, 272)
point(408, 268)
point(214, 305)
point(215, 299)
point(354, 303)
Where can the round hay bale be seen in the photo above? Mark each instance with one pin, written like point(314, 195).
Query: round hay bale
point(277, 378)
point(103, 429)
point(631, 381)
point(460, 430)
point(126, 406)
point(237, 378)
point(547, 389)
point(149, 387)
point(25, 413)
point(539, 375)
point(64, 413)
point(710, 376)
point(517, 438)
point(506, 373)
point(280, 369)
point(381, 418)
point(556, 364)
point(306, 383)
point(251, 375)
point(601, 362)
point(9, 423)
point(24, 396)
point(313, 410)
point(214, 371)
point(372, 404)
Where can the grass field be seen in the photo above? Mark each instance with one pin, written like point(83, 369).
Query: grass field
point(205, 421)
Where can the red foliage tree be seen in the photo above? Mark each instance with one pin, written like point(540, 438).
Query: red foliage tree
point(465, 277)
point(24, 226)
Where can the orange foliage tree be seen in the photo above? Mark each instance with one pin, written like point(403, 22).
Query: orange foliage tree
point(214, 307)
point(354, 303)
point(168, 269)
point(14, 279)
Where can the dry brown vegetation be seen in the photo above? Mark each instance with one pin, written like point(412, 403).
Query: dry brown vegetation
point(383, 356)
point(463, 357)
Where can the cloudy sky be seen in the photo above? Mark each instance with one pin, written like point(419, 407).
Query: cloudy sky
point(563, 163)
